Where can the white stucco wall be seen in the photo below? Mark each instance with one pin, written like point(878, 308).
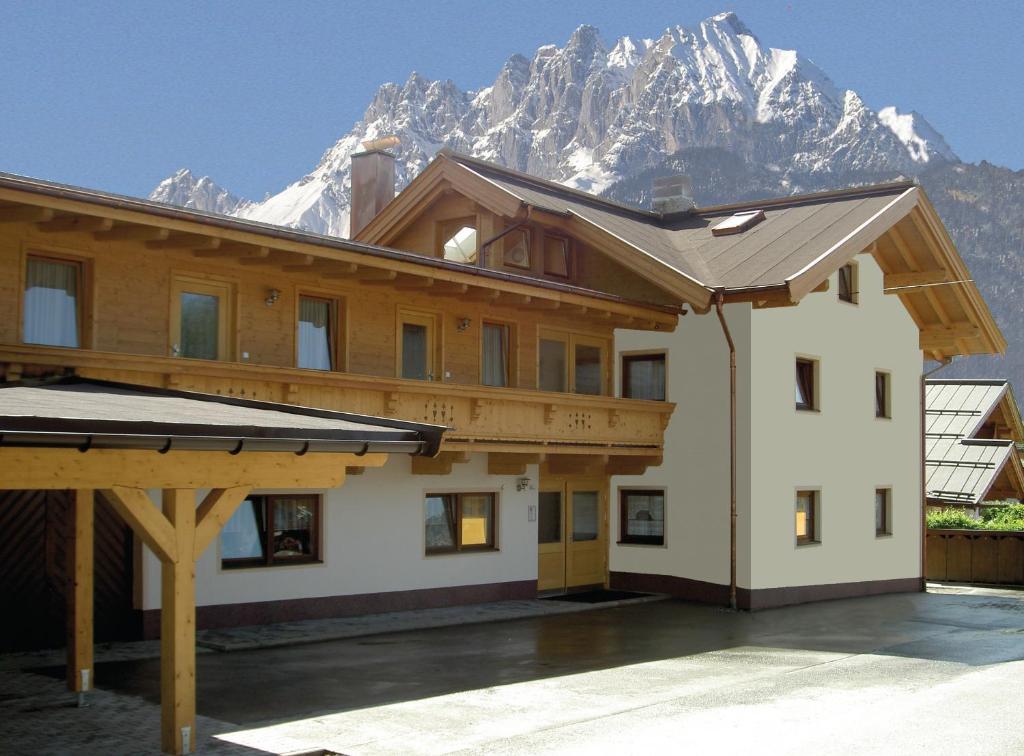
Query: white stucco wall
point(373, 541)
point(843, 449)
point(695, 471)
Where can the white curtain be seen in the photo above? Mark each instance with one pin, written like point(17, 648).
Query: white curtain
point(242, 536)
point(315, 334)
point(495, 355)
point(646, 378)
point(51, 303)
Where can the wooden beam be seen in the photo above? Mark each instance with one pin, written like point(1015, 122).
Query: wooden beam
point(215, 510)
point(25, 214)
point(376, 274)
point(178, 627)
point(185, 241)
point(500, 463)
point(29, 468)
point(231, 249)
point(341, 270)
point(354, 470)
point(631, 465)
point(132, 233)
point(145, 520)
point(72, 223)
point(414, 282)
point(448, 287)
point(576, 464)
point(938, 338)
point(439, 465)
point(916, 278)
point(79, 566)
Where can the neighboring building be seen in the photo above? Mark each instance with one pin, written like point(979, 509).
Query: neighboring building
point(972, 429)
point(830, 300)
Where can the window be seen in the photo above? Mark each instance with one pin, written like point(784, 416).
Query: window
point(53, 304)
point(458, 240)
point(847, 283)
point(460, 522)
point(496, 364)
point(642, 517)
point(738, 223)
point(200, 319)
point(806, 380)
point(317, 337)
point(556, 256)
point(883, 511)
point(883, 404)
point(643, 376)
point(806, 517)
point(516, 249)
point(417, 347)
point(553, 367)
point(272, 530)
point(570, 362)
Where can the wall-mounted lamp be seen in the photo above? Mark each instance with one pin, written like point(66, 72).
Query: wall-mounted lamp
point(272, 296)
point(462, 325)
point(523, 484)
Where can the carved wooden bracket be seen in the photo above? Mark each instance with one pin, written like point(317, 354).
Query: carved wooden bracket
point(476, 406)
point(291, 395)
point(550, 413)
point(390, 402)
point(613, 418)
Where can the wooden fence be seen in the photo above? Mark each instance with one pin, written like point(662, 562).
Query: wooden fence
point(976, 556)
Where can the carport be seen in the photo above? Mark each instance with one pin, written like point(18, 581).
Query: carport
point(128, 442)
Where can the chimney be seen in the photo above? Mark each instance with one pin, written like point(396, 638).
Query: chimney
point(373, 182)
point(672, 194)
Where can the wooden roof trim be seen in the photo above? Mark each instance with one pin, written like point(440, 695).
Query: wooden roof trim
point(359, 253)
point(805, 280)
point(1013, 468)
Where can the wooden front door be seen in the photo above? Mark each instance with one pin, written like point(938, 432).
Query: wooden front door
point(572, 542)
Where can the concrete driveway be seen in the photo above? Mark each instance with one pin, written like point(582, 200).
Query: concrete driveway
point(913, 673)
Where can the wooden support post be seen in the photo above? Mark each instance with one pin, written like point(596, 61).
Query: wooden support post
point(80, 592)
point(178, 627)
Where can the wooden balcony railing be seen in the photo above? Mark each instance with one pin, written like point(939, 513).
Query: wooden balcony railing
point(478, 417)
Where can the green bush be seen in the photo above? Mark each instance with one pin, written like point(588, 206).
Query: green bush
point(953, 518)
point(1006, 517)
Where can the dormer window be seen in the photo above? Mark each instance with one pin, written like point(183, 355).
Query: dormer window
point(516, 250)
point(458, 240)
point(738, 223)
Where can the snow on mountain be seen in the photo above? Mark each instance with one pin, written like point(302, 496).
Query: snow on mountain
point(185, 190)
point(590, 116)
point(920, 137)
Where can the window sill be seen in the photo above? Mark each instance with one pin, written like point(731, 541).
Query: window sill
point(462, 552)
point(809, 410)
point(887, 418)
point(227, 567)
point(806, 544)
point(883, 535)
point(661, 545)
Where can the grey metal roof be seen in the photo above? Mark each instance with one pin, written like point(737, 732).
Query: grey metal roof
point(114, 415)
point(960, 469)
point(796, 231)
point(956, 409)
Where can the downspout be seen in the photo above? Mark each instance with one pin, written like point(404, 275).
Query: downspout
point(943, 363)
point(719, 297)
point(481, 259)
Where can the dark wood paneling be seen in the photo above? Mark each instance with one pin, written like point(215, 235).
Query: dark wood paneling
point(34, 578)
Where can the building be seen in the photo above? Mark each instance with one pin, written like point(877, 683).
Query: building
point(972, 428)
point(591, 433)
point(832, 297)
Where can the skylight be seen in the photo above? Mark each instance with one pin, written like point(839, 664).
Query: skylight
point(738, 223)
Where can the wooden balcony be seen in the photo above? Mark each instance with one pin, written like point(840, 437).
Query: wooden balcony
point(519, 424)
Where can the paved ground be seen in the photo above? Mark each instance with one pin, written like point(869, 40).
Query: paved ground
point(916, 673)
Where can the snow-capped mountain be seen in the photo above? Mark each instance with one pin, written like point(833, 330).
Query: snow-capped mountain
point(185, 190)
point(590, 116)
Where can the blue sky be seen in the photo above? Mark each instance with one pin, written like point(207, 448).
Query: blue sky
point(116, 96)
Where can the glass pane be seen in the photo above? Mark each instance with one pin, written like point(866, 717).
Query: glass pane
point(440, 523)
point(804, 515)
point(461, 246)
point(200, 325)
point(588, 369)
point(645, 514)
point(645, 377)
point(315, 334)
point(477, 513)
point(294, 523)
point(556, 256)
point(242, 535)
point(552, 365)
point(414, 351)
point(880, 502)
point(517, 250)
point(584, 515)
point(495, 367)
point(549, 519)
point(51, 302)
